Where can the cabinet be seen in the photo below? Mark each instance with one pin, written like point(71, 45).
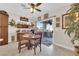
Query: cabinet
point(4, 27)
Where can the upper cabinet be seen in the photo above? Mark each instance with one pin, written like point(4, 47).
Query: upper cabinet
point(3, 18)
point(4, 27)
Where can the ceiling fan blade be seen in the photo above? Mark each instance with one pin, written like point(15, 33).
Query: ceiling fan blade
point(32, 4)
point(38, 4)
point(38, 9)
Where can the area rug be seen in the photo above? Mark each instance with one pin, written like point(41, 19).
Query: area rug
point(47, 41)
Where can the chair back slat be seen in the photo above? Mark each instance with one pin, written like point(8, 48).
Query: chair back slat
point(39, 33)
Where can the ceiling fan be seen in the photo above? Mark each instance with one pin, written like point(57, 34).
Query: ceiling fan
point(32, 7)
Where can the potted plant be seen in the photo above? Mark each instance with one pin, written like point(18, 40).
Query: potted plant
point(12, 24)
point(73, 27)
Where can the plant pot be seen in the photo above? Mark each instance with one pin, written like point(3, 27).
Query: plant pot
point(13, 38)
point(76, 46)
point(77, 49)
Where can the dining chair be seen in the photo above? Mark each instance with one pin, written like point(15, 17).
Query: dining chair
point(37, 41)
point(22, 43)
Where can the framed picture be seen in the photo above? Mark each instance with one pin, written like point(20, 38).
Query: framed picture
point(23, 19)
point(65, 21)
point(57, 21)
point(57, 24)
point(46, 16)
point(39, 18)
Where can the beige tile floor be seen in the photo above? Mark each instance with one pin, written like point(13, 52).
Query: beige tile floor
point(53, 50)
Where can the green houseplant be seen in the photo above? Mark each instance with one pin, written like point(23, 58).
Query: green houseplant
point(12, 22)
point(73, 27)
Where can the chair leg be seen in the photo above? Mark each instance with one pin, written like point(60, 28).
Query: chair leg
point(19, 49)
point(34, 50)
point(40, 47)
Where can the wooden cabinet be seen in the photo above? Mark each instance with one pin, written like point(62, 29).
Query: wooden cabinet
point(4, 27)
point(22, 26)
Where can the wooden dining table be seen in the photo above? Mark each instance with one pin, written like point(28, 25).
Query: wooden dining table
point(30, 37)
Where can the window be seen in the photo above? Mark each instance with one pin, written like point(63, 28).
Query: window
point(39, 25)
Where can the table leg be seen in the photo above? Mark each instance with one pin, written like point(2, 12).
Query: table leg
point(29, 45)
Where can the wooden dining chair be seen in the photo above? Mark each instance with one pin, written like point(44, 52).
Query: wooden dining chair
point(22, 43)
point(36, 42)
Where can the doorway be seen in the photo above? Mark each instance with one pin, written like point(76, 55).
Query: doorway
point(47, 28)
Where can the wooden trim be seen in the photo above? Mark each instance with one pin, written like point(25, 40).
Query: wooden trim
point(4, 12)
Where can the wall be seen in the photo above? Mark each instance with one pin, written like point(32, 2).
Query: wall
point(60, 38)
point(12, 30)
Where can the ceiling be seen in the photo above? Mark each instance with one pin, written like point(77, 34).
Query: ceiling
point(18, 10)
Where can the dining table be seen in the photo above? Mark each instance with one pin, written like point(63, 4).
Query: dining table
point(30, 37)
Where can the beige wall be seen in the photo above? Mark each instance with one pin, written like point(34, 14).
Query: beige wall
point(60, 38)
point(12, 30)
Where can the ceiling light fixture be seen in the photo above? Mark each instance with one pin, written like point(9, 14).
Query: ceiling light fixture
point(33, 7)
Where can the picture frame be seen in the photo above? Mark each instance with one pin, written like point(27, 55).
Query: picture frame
point(57, 24)
point(23, 19)
point(57, 21)
point(39, 18)
point(46, 16)
point(66, 19)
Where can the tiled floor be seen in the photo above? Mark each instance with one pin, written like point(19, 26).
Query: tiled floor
point(53, 50)
point(59, 51)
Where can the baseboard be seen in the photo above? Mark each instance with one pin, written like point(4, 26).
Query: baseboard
point(68, 48)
